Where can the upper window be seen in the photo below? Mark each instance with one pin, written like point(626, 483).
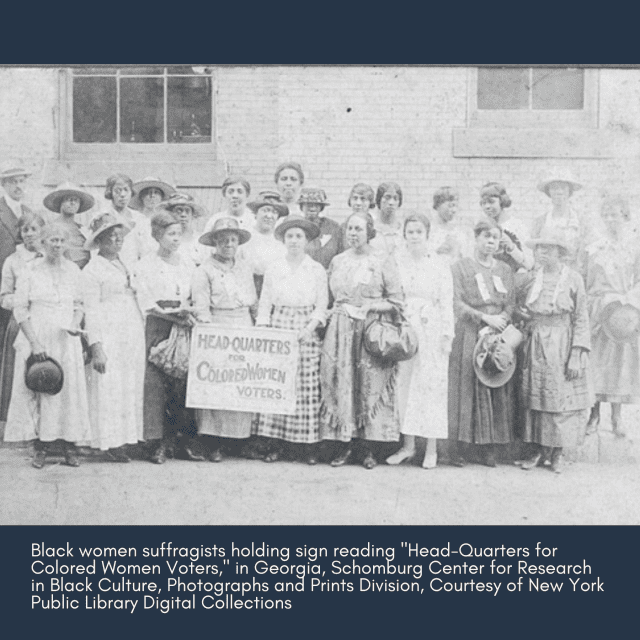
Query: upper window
point(534, 96)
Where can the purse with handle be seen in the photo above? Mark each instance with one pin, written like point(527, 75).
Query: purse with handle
point(389, 337)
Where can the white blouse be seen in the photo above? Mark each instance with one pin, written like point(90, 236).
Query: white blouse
point(260, 251)
point(139, 241)
point(154, 279)
point(285, 286)
point(13, 266)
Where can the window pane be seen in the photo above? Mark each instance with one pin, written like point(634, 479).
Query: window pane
point(94, 109)
point(558, 89)
point(184, 70)
point(503, 88)
point(141, 71)
point(141, 110)
point(95, 71)
point(189, 110)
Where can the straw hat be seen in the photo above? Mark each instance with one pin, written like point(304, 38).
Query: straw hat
point(101, 223)
point(270, 195)
point(54, 200)
point(44, 377)
point(185, 200)
point(544, 185)
point(13, 172)
point(311, 229)
point(221, 225)
point(148, 183)
point(282, 209)
point(494, 356)
point(621, 322)
point(311, 195)
point(551, 237)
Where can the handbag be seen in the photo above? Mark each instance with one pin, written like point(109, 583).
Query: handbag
point(390, 339)
point(172, 355)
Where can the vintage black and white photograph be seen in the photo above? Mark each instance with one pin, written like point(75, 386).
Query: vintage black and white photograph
point(320, 295)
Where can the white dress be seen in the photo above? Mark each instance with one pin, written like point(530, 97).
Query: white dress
point(113, 318)
point(48, 298)
point(138, 242)
point(423, 380)
point(260, 251)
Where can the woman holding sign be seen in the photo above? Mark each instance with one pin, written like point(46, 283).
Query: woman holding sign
point(294, 296)
point(223, 293)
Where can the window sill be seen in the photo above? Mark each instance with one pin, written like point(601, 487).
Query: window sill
point(181, 173)
point(539, 143)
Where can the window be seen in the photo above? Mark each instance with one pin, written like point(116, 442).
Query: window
point(150, 120)
point(138, 105)
point(534, 96)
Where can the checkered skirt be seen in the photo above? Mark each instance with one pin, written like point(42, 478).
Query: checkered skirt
point(304, 426)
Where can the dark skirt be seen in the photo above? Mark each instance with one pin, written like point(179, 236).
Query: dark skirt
point(9, 331)
point(165, 413)
point(477, 413)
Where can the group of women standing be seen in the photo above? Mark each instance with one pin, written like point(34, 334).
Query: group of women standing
point(502, 326)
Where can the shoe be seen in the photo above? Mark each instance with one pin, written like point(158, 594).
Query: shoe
point(369, 461)
point(400, 457)
point(342, 459)
point(272, 456)
point(159, 456)
point(557, 461)
point(618, 430)
point(117, 455)
point(593, 424)
point(38, 459)
point(458, 461)
point(490, 459)
point(190, 454)
point(527, 465)
point(430, 461)
point(216, 456)
point(71, 458)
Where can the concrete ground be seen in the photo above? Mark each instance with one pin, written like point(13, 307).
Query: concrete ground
point(239, 491)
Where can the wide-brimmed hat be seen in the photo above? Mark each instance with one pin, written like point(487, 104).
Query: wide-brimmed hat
point(555, 237)
point(494, 356)
point(544, 185)
point(281, 208)
point(311, 229)
point(44, 377)
point(312, 195)
point(621, 322)
point(221, 225)
point(54, 200)
point(101, 223)
point(148, 183)
point(12, 172)
point(183, 199)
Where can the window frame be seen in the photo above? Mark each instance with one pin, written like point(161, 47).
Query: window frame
point(126, 151)
point(587, 117)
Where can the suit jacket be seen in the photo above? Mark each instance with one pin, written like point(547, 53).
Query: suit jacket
point(8, 231)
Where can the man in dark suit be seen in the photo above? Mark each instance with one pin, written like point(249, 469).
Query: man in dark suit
point(11, 209)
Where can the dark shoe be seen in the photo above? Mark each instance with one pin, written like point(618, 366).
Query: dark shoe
point(490, 459)
point(272, 456)
point(118, 455)
point(312, 459)
point(216, 456)
point(618, 430)
point(38, 459)
point(458, 461)
point(369, 461)
point(159, 455)
point(594, 423)
point(71, 458)
point(342, 459)
point(190, 454)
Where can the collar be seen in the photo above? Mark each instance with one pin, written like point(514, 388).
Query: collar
point(14, 205)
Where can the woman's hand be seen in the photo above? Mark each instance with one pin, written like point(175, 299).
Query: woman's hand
point(378, 306)
point(38, 352)
point(98, 358)
point(306, 333)
point(506, 244)
point(577, 363)
point(499, 323)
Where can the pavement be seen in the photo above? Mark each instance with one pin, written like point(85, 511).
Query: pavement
point(245, 492)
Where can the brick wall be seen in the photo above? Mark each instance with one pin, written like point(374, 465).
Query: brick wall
point(352, 124)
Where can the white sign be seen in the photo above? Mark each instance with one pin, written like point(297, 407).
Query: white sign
point(247, 369)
